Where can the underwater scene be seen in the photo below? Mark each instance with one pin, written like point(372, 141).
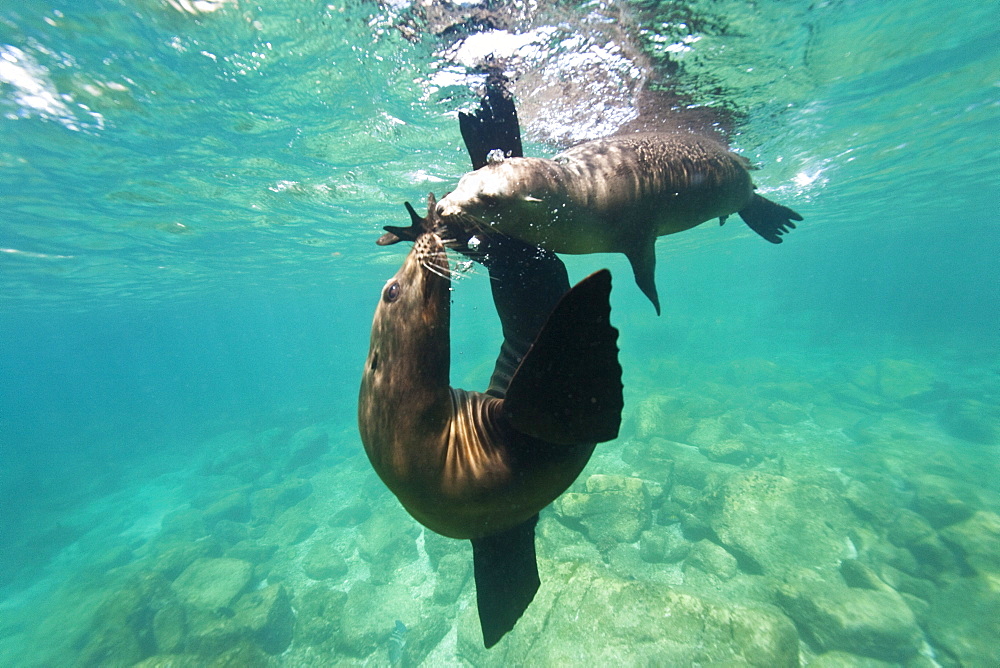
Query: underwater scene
point(807, 468)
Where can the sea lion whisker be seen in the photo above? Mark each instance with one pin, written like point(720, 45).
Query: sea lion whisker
point(437, 270)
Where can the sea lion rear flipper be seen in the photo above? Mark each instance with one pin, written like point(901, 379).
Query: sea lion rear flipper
point(568, 387)
point(643, 260)
point(493, 126)
point(506, 578)
point(768, 219)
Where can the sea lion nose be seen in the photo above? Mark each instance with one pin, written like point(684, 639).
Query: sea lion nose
point(444, 209)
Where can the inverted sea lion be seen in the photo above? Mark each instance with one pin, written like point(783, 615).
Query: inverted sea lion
point(614, 195)
point(472, 466)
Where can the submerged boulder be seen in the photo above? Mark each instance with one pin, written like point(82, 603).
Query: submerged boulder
point(870, 622)
point(323, 561)
point(978, 539)
point(599, 618)
point(267, 616)
point(971, 420)
point(211, 584)
point(964, 619)
point(901, 379)
point(772, 523)
point(612, 509)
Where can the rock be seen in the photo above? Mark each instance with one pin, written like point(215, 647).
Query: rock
point(873, 504)
point(755, 514)
point(664, 417)
point(119, 633)
point(234, 507)
point(169, 629)
point(388, 537)
point(174, 557)
point(934, 558)
point(319, 611)
point(964, 619)
point(661, 545)
point(291, 527)
point(712, 559)
point(306, 446)
point(909, 528)
point(172, 661)
point(229, 532)
point(901, 379)
point(860, 576)
point(452, 574)
point(324, 562)
point(211, 584)
point(271, 501)
point(786, 413)
point(727, 451)
point(684, 495)
point(599, 619)
point(267, 615)
point(613, 509)
point(838, 659)
point(114, 639)
point(972, 421)
point(437, 546)
point(709, 431)
point(874, 623)
point(368, 616)
point(836, 417)
point(240, 655)
point(752, 371)
point(978, 539)
point(937, 500)
point(252, 551)
point(352, 515)
point(185, 524)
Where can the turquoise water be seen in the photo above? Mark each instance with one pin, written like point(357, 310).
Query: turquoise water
point(188, 207)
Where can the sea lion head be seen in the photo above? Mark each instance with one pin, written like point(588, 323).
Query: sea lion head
point(408, 359)
point(505, 195)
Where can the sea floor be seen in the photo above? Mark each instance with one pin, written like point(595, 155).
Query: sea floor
point(837, 512)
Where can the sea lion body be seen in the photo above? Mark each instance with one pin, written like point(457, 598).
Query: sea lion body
point(455, 459)
point(605, 196)
point(614, 195)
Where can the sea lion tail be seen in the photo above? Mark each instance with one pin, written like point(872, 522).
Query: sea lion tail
point(506, 578)
point(768, 219)
point(568, 388)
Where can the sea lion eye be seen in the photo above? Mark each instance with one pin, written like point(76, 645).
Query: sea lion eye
point(392, 292)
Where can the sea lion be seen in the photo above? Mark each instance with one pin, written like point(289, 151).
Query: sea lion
point(472, 466)
point(616, 194)
point(526, 281)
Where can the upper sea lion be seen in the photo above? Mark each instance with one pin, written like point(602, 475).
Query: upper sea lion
point(616, 194)
point(471, 465)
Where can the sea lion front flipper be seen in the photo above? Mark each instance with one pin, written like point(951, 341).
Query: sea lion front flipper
point(493, 126)
point(506, 578)
point(768, 219)
point(568, 388)
point(643, 260)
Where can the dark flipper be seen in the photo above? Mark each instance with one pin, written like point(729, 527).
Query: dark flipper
point(394, 234)
point(506, 578)
point(568, 389)
point(768, 219)
point(527, 283)
point(643, 260)
point(493, 126)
